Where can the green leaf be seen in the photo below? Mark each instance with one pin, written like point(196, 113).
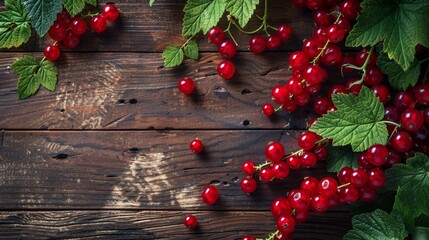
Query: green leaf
point(91, 2)
point(43, 13)
point(151, 2)
point(340, 157)
point(191, 50)
point(377, 225)
point(47, 75)
point(405, 212)
point(398, 78)
point(74, 7)
point(202, 15)
point(173, 56)
point(358, 121)
point(14, 25)
point(420, 233)
point(383, 200)
point(400, 24)
point(413, 180)
point(242, 10)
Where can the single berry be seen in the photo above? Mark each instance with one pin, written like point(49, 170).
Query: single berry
point(301, 215)
point(382, 92)
point(322, 18)
point(186, 85)
point(344, 175)
point(227, 48)
point(226, 69)
point(302, 99)
point(367, 194)
point(294, 162)
point(110, 12)
point(328, 186)
point(321, 152)
point(284, 31)
point(332, 55)
point(350, 9)
point(313, 74)
point(321, 35)
point(210, 195)
point(373, 76)
point(307, 140)
point(78, 26)
point(353, 86)
point(248, 167)
point(266, 174)
point(64, 18)
point(376, 178)
point(280, 170)
point(274, 152)
point(71, 41)
point(404, 100)
point(298, 60)
point(57, 31)
point(190, 221)
point(257, 44)
point(294, 85)
point(310, 185)
point(299, 200)
point(273, 42)
point(412, 120)
point(321, 105)
point(421, 92)
point(216, 35)
point(52, 52)
point(286, 224)
point(308, 159)
point(377, 154)
point(280, 207)
point(359, 178)
point(344, 24)
point(311, 47)
point(349, 194)
point(361, 57)
point(248, 185)
point(280, 94)
point(247, 237)
point(337, 89)
point(401, 141)
point(196, 146)
point(319, 203)
point(363, 161)
point(336, 33)
point(98, 24)
point(289, 106)
point(268, 109)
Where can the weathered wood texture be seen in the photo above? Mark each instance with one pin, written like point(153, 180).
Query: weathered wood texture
point(144, 29)
point(146, 225)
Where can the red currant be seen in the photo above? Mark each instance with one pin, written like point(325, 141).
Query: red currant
point(310, 185)
point(64, 18)
point(216, 35)
point(227, 48)
point(57, 31)
point(299, 200)
point(247, 237)
point(332, 55)
point(307, 140)
point(321, 35)
point(367, 194)
point(401, 141)
point(376, 178)
point(257, 44)
point(248, 185)
point(98, 24)
point(363, 161)
point(190, 221)
point(321, 105)
point(273, 42)
point(359, 178)
point(274, 152)
point(336, 33)
point(422, 93)
point(313, 74)
point(311, 47)
point(353, 87)
point(321, 152)
point(284, 31)
point(280, 207)
point(393, 158)
point(328, 186)
point(350, 9)
point(286, 224)
point(391, 114)
point(248, 167)
point(314, 4)
point(412, 120)
point(322, 18)
point(344, 24)
point(280, 94)
point(362, 55)
point(319, 203)
point(289, 106)
point(349, 194)
point(404, 100)
point(337, 89)
point(196, 146)
point(52, 52)
point(301, 215)
point(110, 12)
point(78, 26)
point(382, 92)
point(226, 69)
point(308, 159)
point(266, 174)
point(71, 41)
point(186, 85)
point(302, 99)
point(373, 76)
point(268, 109)
point(298, 60)
point(377, 154)
point(313, 89)
point(280, 170)
point(344, 175)
point(294, 85)
point(210, 195)
point(294, 162)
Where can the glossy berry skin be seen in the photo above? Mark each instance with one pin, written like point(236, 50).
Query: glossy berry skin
point(216, 35)
point(248, 167)
point(298, 60)
point(248, 185)
point(210, 195)
point(350, 9)
point(268, 109)
point(257, 44)
point(401, 141)
point(321, 152)
point(98, 24)
point(367, 194)
point(226, 69)
point(302, 99)
point(266, 174)
point(227, 48)
point(294, 162)
point(314, 4)
point(186, 85)
point(284, 32)
point(349, 194)
point(301, 216)
point(421, 92)
point(376, 178)
point(280, 94)
point(294, 85)
point(273, 42)
point(354, 88)
point(311, 47)
point(286, 225)
point(52, 53)
point(313, 89)
point(299, 200)
point(308, 159)
point(78, 26)
point(377, 154)
point(247, 237)
point(359, 178)
point(373, 76)
point(280, 170)
point(190, 221)
point(344, 24)
point(289, 106)
point(328, 186)
point(363, 161)
point(280, 207)
point(64, 18)
point(382, 92)
point(404, 100)
point(391, 114)
point(57, 31)
point(307, 140)
point(313, 74)
point(310, 185)
point(274, 152)
point(332, 55)
point(321, 35)
point(71, 41)
point(336, 33)
point(110, 12)
point(321, 105)
point(196, 146)
point(362, 55)
point(393, 158)
point(412, 120)
point(319, 203)
point(322, 18)
point(344, 175)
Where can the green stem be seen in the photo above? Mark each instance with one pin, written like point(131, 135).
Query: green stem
point(264, 25)
point(326, 44)
point(187, 41)
point(424, 60)
point(390, 122)
point(344, 185)
point(278, 108)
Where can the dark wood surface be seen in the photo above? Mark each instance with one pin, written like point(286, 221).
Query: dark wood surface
point(106, 156)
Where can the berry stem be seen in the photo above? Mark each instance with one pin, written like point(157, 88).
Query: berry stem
point(187, 41)
point(344, 185)
point(264, 24)
point(89, 15)
point(271, 236)
point(393, 123)
point(278, 108)
point(362, 68)
point(314, 61)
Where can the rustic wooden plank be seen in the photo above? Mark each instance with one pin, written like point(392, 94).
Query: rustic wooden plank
point(133, 91)
point(137, 169)
point(146, 29)
point(161, 225)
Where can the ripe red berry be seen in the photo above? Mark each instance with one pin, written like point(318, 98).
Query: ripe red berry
point(216, 35)
point(328, 186)
point(404, 100)
point(57, 31)
point(359, 178)
point(308, 159)
point(98, 24)
point(321, 35)
point(337, 89)
point(302, 99)
point(299, 200)
point(110, 12)
point(294, 85)
point(78, 26)
point(266, 174)
point(273, 42)
point(71, 41)
point(349, 194)
point(298, 60)
point(362, 55)
point(226, 69)
point(310, 185)
point(227, 48)
point(412, 120)
point(393, 158)
point(377, 154)
point(321, 105)
point(284, 31)
point(307, 140)
point(274, 152)
point(280, 94)
point(322, 18)
point(350, 9)
point(401, 141)
point(247, 237)
point(257, 44)
point(363, 161)
point(321, 152)
point(376, 178)
point(280, 207)
point(367, 194)
point(311, 47)
point(190, 221)
point(345, 174)
point(196, 146)
point(248, 167)
point(336, 33)
point(186, 85)
point(332, 55)
point(52, 52)
point(422, 93)
point(268, 109)
point(210, 195)
point(319, 203)
point(64, 18)
point(294, 162)
point(248, 185)
point(373, 76)
point(382, 92)
point(344, 24)
point(280, 170)
point(286, 225)
point(289, 106)
point(301, 215)
point(313, 74)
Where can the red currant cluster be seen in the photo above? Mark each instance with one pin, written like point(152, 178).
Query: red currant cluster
point(67, 31)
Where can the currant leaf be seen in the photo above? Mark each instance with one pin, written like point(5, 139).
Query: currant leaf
point(400, 24)
point(151, 2)
point(43, 13)
point(91, 2)
point(14, 25)
point(358, 121)
point(398, 78)
point(173, 56)
point(191, 50)
point(47, 75)
point(202, 15)
point(242, 10)
point(340, 157)
point(413, 181)
point(377, 225)
point(74, 7)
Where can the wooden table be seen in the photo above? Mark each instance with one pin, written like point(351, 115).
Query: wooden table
point(106, 156)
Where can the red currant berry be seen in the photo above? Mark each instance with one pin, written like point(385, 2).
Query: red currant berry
point(412, 120)
point(298, 60)
point(345, 174)
point(376, 178)
point(313, 74)
point(78, 26)
point(332, 55)
point(266, 174)
point(226, 69)
point(353, 87)
point(367, 194)
point(273, 42)
point(57, 31)
point(274, 152)
point(299, 200)
point(321, 35)
point(404, 100)
point(307, 140)
point(196, 146)
point(362, 55)
point(248, 167)
point(71, 41)
point(359, 178)
point(393, 158)
point(337, 89)
point(294, 85)
point(382, 92)
point(346, 59)
point(422, 93)
point(294, 162)
point(247, 237)
point(350, 9)
point(310, 185)
point(227, 48)
point(190, 221)
point(308, 159)
point(257, 44)
point(335, 199)
point(401, 141)
point(110, 12)
point(391, 114)
point(52, 52)
point(302, 99)
point(321, 18)
point(301, 215)
point(280, 207)
point(321, 105)
point(313, 89)
point(284, 31)
point(186, 85)
point(373, 76)
point(314, 4)
point(336, 33)
point(344, 24)
point(321, 152)
point(349, 194)
point(280, 170)
point(98, 24)
point(210, 195)
point(289, 106)
point(285, 225)
point(319, 204)
point(377, 154)
point(280, 94)
point(426, 115)
point(216, 35)
point(311, 47)
point(268, 109)
point(64, 18)
point(248, 185)
point(328, 186)
point(299, 3)
point(363, 161)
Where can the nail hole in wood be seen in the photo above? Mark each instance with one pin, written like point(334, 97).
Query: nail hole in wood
point(133, 150)
point(215, 182)
point(225, 183)
point(245, 91)
point(121, 101)
point(61, 156)
point(133, 101)
point(111, 175)
point(62, 110)
point(246, 123)
point(234, 179)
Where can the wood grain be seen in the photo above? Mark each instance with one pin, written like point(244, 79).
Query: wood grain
point(161, 225)
point(137, 170)
point(144, 29)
